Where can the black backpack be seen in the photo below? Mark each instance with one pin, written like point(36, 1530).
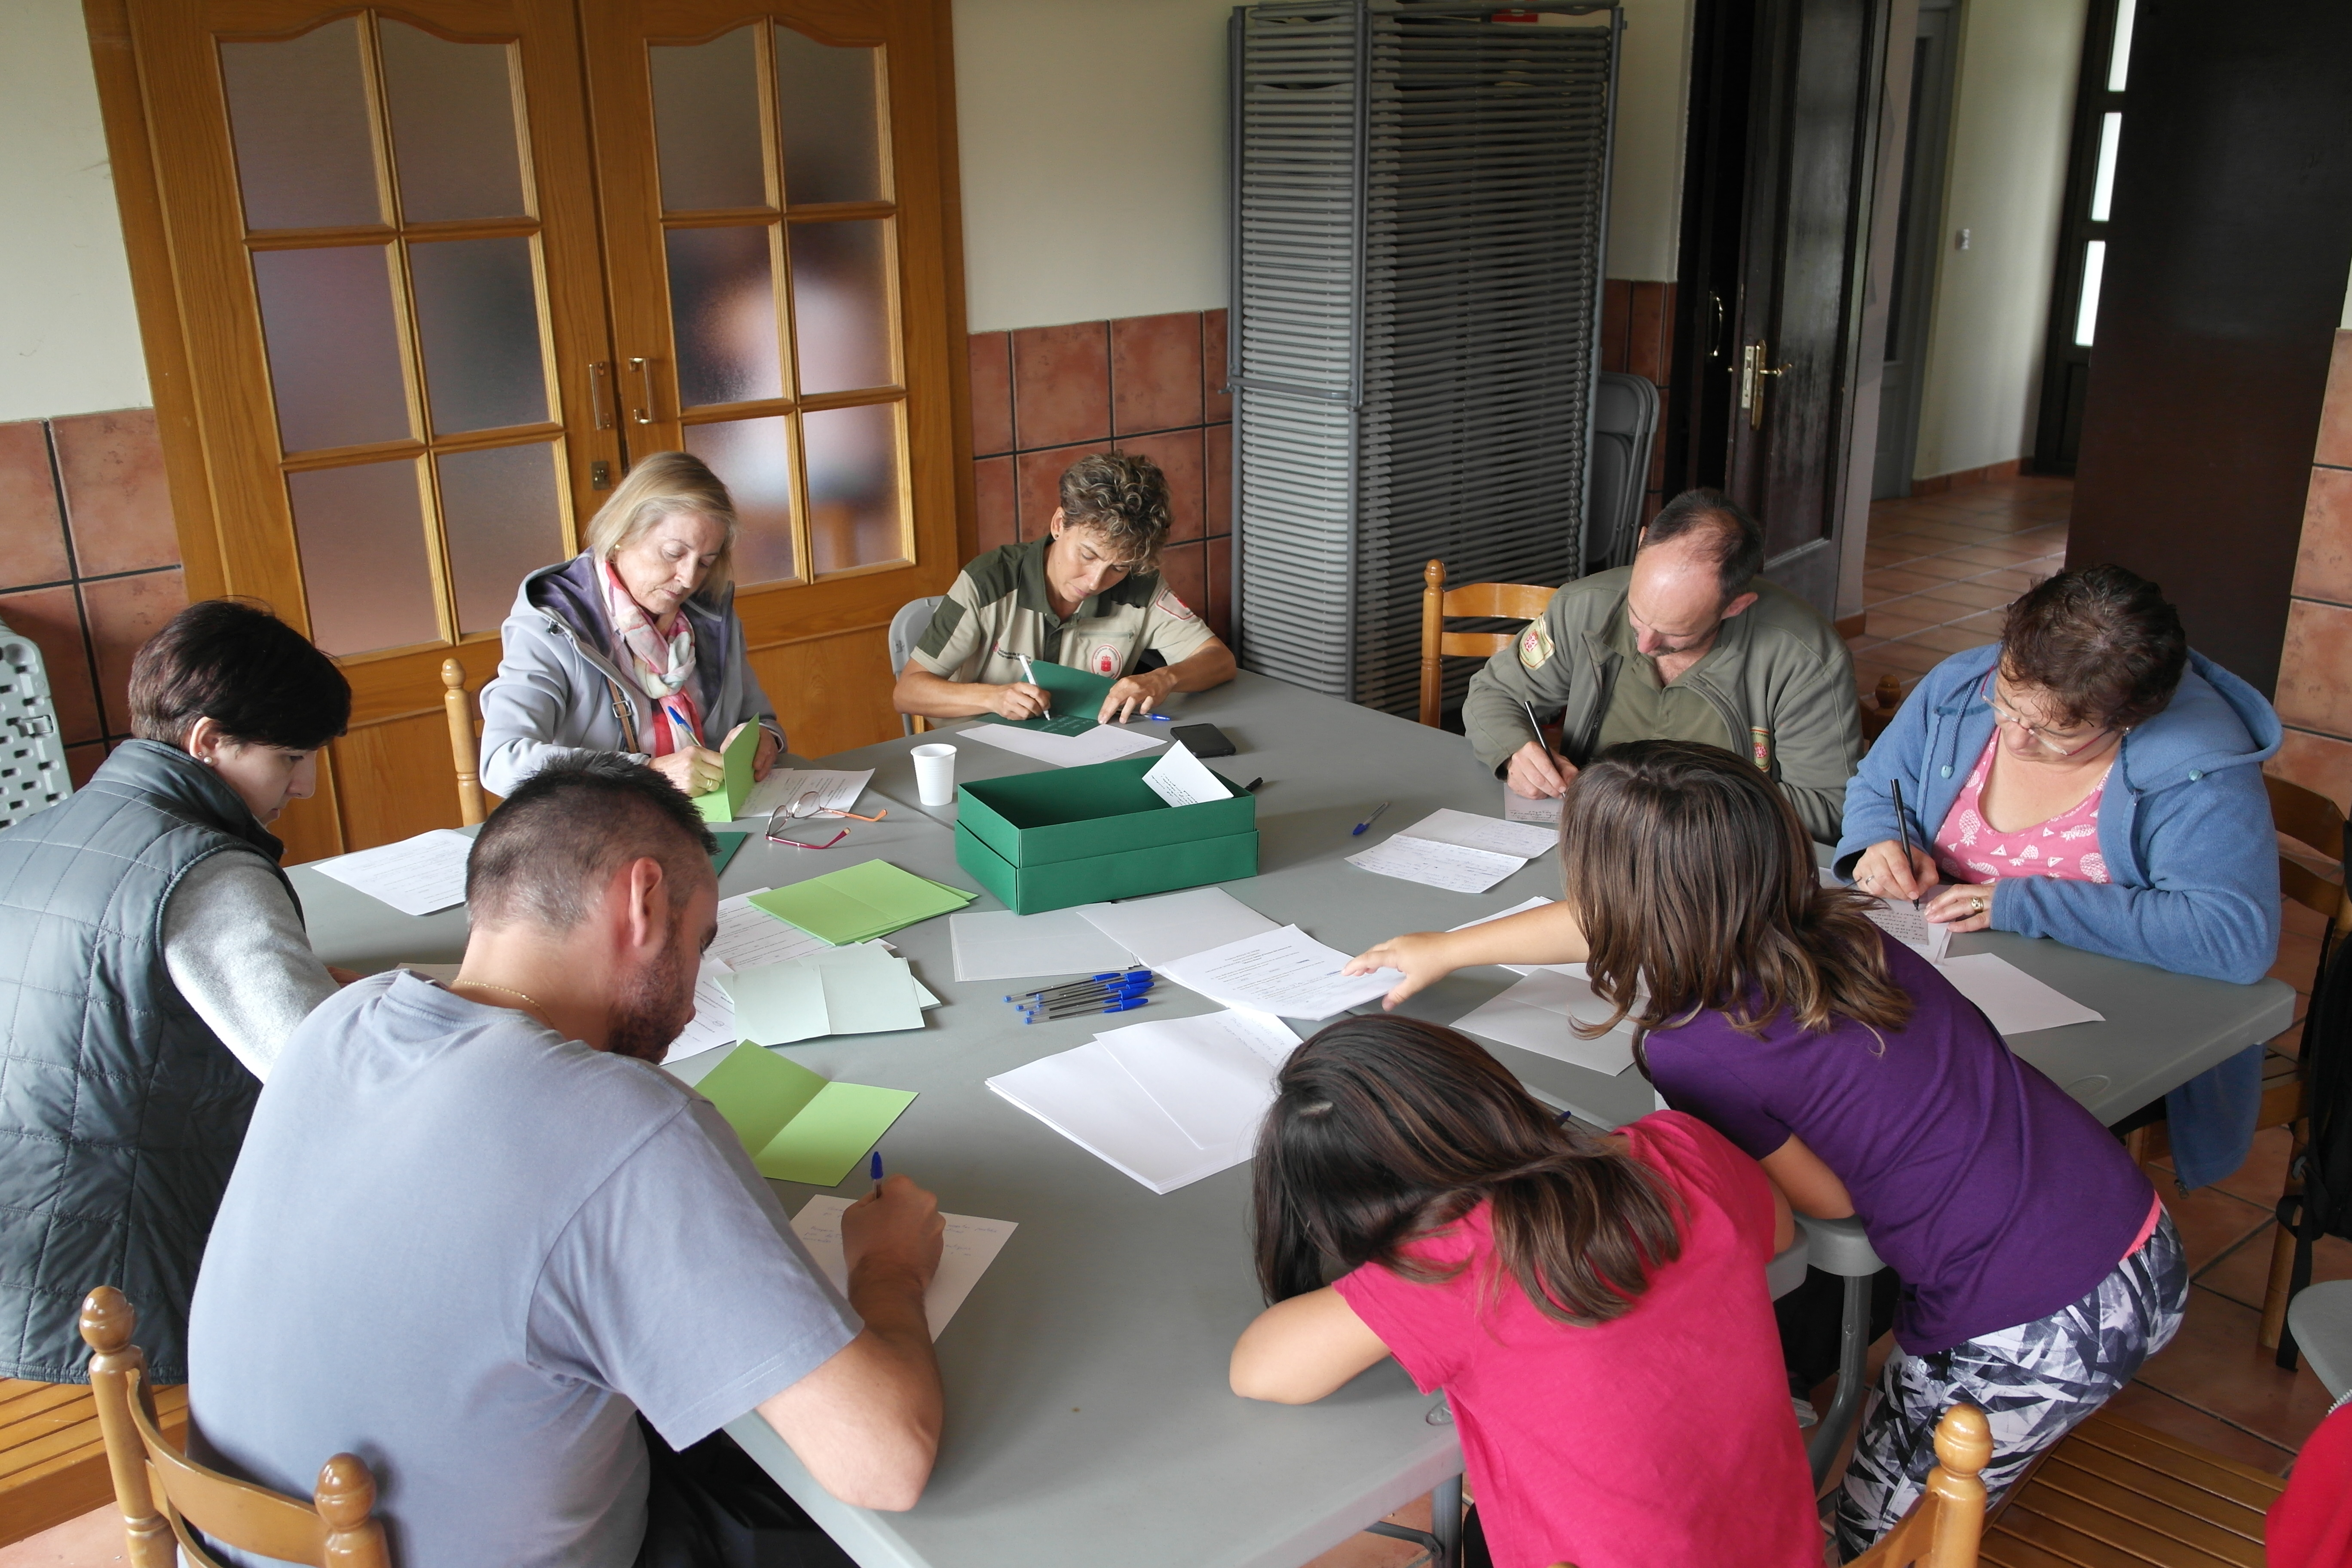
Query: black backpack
point(2323, 1166)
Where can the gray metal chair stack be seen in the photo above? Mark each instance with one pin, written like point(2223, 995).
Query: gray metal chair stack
point(1420, 202)
point(906, 629)
point(1624, 426)
point(32, 752)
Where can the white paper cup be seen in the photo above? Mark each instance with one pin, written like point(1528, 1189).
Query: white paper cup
point(935, 775)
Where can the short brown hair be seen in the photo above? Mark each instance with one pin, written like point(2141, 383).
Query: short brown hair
point(1123, 496)
point(660, 485)
point(1694, 883)
point(546, 854)
point(2102, 641)
point(247, 671)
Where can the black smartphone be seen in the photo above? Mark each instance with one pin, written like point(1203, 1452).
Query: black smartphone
point(1203, 739)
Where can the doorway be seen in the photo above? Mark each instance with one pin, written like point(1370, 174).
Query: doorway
point(1918, 235)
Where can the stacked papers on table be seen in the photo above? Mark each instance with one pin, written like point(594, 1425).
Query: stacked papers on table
point(997, 944)
point(834, 790)
point(798, 1125)
point(1162, 929)
point(861, 990)
point(1284, 972)
point(965, 1252)
point(1457, 851)
point(749, 936)
point(1536, 1014)
point(1101, 743)
point(416, 876)
point(1166, 1102)
point(713, 1024)
point(860, 903)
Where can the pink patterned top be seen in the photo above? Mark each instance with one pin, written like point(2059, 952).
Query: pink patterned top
point(1971, 850)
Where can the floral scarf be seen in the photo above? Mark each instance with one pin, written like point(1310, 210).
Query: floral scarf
point(660, 667)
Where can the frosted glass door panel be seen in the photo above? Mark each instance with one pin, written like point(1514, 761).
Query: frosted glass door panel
point(753, 457)
point(453, 126)
point(477, 318)
point(707, 124)
point(297, 115)
point(361, 532)
point(829, 112)
point(841, 305)
point(334, 347)
point(722, 294)
point(502, 519)
point(856, 515)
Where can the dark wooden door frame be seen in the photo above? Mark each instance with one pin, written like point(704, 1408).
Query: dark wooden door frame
point(2065, 366)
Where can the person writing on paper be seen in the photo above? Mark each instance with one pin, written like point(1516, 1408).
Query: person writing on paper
point(1089, 595)
point(158, 965)
point(2091, 779)
point(633, 646)
point(1569, 1293)
point(551, 1271)
point(1686, 644)
point(2038, 1268)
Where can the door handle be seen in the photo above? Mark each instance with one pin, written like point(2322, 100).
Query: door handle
point(600, 392)
point(1752, 371)
point(643, 413)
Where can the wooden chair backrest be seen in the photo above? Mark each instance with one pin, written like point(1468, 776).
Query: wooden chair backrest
point(334, 1530)
point(2311, 819)
point(1512, 601)
point(464, 742)
point(1946, 1526)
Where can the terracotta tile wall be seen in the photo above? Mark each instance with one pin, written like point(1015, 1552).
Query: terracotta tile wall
point(1044, 396)
point(90, 565)
point(2314, 683)
point(1637, 336)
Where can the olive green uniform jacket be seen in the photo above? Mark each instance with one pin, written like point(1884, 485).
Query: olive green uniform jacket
point(1779, 674)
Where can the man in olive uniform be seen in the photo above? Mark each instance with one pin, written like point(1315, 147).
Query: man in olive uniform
point(1088, 596)
point(1684, 645)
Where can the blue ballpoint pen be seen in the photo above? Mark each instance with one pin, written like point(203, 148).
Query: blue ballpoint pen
point(1127, 1005)
point(1358, 831)
point(1086, 999)
point(875, 1168)
point(1107, 975)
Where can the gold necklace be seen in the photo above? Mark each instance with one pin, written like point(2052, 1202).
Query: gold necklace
point(486, 986)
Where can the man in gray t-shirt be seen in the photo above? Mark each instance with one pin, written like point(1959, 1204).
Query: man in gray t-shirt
point(473, 1231)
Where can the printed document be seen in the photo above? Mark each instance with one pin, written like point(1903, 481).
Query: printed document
point(713, 1024)
point(1169, 926)
point(969, 1248)
point(1535, 1014)
point(750, 937)
point(997, 944)
point(416, 876)
point(834, 790)
point(1452, 866)
point(1285, 972)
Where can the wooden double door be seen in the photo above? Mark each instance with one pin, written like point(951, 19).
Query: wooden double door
point(420, 282)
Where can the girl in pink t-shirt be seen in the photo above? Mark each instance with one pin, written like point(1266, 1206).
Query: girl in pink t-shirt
point(1594, 1308)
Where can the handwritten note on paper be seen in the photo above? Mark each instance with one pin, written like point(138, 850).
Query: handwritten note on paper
point(969, 1248)
point(1519, 839)
point(1285, 972)
point(834, 790)
point(713, 1024)
point(1180, 778)
point(1908, 924)
point(1452, 866)
point(416, 876)
point(750, 937)
point(1518, 807)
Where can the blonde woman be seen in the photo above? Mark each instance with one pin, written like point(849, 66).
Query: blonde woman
point(633, 646)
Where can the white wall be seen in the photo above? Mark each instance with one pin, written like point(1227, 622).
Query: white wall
point(2013, 100)
point(69, 336)
point(1093, 150)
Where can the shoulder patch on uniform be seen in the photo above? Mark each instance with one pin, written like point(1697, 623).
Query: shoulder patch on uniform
point(1535, 646)
point(997, 575)
point(944, 622)
point(1104, 660)
point(1167, 603)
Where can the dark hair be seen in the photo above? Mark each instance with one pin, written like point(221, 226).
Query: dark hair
point(546, 854)
point(230, 660)
point(1125, 496)
point(2102, 641)
point(1387, 1130)
point(1694, 884)
point(1736, 539)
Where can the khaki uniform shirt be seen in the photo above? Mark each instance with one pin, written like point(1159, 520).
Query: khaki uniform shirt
point(999, 609)
point(1642, 709)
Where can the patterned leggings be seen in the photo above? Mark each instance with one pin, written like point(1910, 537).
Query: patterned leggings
point(2033, 1382)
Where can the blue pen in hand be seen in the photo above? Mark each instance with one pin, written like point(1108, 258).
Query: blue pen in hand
point(873, 1169)
point(1358, 831)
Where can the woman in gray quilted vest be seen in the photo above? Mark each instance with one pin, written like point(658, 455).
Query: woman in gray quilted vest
point(153, 960)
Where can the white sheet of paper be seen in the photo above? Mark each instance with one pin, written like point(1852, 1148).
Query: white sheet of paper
point(965, 1252)
point(1213, 1074)
point(1103, 744)
point(1448, 866)
point(997, 944)
point(1535, 1014)
point(1519, 909)
point(1284, 972)
point(1180, 778)
point(836, 790)
point(416, 876)
point(1518, 807)
point(2015, 1002)
point(750, 937)
point(1519, 839)
point(713, 1024)
point(1908, 925)
point(1169, 926)
point(1087, 1096)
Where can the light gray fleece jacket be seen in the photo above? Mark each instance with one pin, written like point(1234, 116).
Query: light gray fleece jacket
point(1779, 674)
point(560, 693)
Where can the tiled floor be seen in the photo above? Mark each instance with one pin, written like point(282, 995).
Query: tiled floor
point(1940, 569)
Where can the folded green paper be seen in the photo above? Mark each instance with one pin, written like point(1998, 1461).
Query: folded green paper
point(725, 803)
point(860, 903)
point(1076, 696)
point(798, 1125)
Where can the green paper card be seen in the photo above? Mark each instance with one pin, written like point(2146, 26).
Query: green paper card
point(728, 844)
point(798, 1125)
point(1076, 696)
point(725, 803)
point(860, 903)
point(778, 1004)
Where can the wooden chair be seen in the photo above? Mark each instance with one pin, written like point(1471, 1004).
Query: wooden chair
point(1878, 707)
point(2113, 1491)
point(53, 1457)
point(1512, 601)
point(1944, 1528)
point(464, 742)
point(334, 1529)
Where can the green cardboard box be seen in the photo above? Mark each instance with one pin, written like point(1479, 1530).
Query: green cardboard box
point(1050, 839)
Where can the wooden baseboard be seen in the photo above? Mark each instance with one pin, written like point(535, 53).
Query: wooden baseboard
point(1938, 484)
point(52, 1459)
point(1854, 624)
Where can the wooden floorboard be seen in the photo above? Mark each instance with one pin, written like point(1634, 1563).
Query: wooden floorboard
point(53, 1456)
point(2090, 1549)
point(2240, 1519)
point(2147, 1519)
point(2005, 1550)
point(2184, 1461)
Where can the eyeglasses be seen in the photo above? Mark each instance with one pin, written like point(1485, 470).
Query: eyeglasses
point(805, 805)
point(2003, 716)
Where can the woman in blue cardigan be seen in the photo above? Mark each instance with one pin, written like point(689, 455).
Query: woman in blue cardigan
point(2091, 780)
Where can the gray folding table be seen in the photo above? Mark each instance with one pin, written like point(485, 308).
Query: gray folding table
point(1089, 1418)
